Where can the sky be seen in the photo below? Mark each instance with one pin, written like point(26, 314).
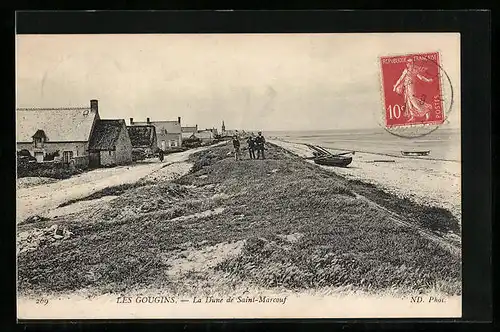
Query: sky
point(251, 81)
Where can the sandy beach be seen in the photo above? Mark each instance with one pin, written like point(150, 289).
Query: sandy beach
point(428, 182)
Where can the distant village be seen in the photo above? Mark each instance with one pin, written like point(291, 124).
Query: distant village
point(77, 136)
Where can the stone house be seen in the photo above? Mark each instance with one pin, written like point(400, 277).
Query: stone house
point(206, 136)
point(78, 134)
point(110, 144)
point(67, 131)
point(188, 131)
point(213, 130)
point(168, 133)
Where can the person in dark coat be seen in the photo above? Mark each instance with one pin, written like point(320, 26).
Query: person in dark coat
point(251, 147)
point(160, 154)
point(236, 146)
point(260, 142)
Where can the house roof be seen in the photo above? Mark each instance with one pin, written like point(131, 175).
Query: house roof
point(58, 124)
point(172, 127)
point(39, 134)
point(192, 129)
point(204, 134)
point(105, 134)
point(141, 136)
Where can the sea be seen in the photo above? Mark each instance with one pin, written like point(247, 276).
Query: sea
point(443, 143)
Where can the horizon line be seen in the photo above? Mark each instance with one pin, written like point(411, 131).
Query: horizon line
point(331, 129)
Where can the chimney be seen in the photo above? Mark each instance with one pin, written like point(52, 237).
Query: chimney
point(131, 121)
point(147, 120)
point(179, 119)
point(94, 105)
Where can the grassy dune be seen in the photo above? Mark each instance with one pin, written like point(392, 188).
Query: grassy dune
point(299, 228)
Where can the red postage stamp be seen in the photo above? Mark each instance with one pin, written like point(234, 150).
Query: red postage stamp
point(412, 89)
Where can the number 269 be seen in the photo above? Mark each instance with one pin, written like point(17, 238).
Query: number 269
point(42, 301)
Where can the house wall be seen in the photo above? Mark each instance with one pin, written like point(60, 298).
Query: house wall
point(205, 136)
point(81, 161)
point(173, 129)
point(94, 159)
point(154, 144)
point(171, 140)
point(107, 158)
point(122, 154)
point(78, 148)
point(123, 149)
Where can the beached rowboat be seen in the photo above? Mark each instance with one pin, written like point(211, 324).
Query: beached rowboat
point(337, 161)
point(321, 151)
point(321, 156)
point(415, 153)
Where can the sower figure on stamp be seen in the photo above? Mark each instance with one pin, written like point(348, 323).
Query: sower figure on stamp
point(260, 142)
point(251, 147)
point(414, 107)
point(236, 146)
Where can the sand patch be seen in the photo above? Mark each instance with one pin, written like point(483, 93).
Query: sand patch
point(192, 260)
point(169, 172)
point(292, 238)
point(221, 196)
point(28, 182)
point(198, 215)
point(78, 207)
point(32, 239)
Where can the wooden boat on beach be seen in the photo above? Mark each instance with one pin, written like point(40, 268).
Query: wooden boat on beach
point(333, 161)
point(321, 156)
point(416, 153)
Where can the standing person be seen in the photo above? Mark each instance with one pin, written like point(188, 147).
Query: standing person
point(236, 145)
point(260, 142)
point(251, 147)
point(160, 154)
point(405, 85)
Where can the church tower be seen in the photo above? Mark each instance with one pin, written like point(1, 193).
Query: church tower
point(223, 128)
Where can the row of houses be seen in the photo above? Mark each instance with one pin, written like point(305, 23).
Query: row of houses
point(170, 134)
point(78, 135)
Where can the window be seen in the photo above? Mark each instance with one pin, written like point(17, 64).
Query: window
point(67, 156)
point(38, 142)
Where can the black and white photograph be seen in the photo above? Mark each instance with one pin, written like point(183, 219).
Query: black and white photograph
point(280, 175)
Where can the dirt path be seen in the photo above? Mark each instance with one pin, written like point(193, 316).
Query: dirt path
point(38, 200)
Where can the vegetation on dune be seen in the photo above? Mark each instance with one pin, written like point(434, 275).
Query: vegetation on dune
point(46, 170)
point(303, 228)
point(108, 191)
point(430, 217)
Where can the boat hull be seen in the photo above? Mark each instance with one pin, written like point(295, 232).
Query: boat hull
point(333, 161)
point(415, 153)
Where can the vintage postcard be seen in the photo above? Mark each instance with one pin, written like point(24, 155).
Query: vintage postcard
point(238, 176)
